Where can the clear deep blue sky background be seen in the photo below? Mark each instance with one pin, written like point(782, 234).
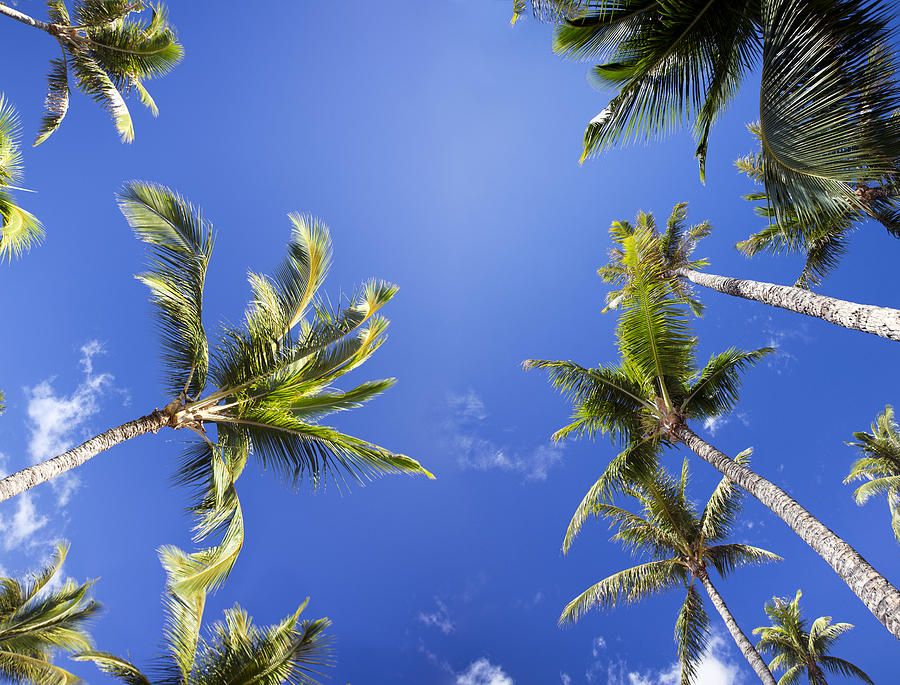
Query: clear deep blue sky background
point(441, 146)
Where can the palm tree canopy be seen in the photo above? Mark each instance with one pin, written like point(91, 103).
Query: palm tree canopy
point(680, 544)
point(109, 48)
point(273, 375)
point(798, 648)
point(827, 98)
point(676, 246)
point(38, 618)
point(656, 386)
point(19, 229)
point(879, 466)
point(235, 651)
point(822, 238)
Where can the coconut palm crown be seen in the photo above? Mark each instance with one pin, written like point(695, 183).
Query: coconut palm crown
point(37, 620)
point(109, 48)
point(798, 649)
point(656, 386)
point(235, 650)
point(19, 229)
point(267, 383)
point(827, 92)
point(879, 466)
point(682, 546)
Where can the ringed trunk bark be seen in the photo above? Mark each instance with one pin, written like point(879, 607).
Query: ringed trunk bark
point(24, 18)
point(881, 321)
point(881, 598)
point(746, 647)
point(40, 473)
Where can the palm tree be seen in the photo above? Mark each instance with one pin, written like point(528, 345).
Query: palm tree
point(880, 465)
point(265, 385)
point(827, 92)
point(677, 245)
point(683, 546)
point(235, 651)
point(797, 650)
point(822, 239)
point(37, 619)
point(19, 229)
point(107, 52)
point(646, 401)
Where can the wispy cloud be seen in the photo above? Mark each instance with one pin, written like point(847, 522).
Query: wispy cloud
point(483, 672)
point(782, 339)
point(58, 420)
point(598, 645)
point(439, 618)
point(565, 679)
point(468, 432)
point(715, 423)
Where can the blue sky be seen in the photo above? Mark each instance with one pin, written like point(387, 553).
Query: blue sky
point(441, 146)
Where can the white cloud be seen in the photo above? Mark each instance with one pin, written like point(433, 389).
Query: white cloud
point(598, 645)
point(18, 529)
point(714, 423)
point(565, 679)
point(716, 668)
point(466, 429)
point(440, 618)
point(57, 421)
point(483, 672)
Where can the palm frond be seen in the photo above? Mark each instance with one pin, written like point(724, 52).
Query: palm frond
point(180, 243)
point(844, 668)
point(721, 510)
point(714, 391)
point(826, 113)
point(57, 102)
point(691, 634)
point(726, 558)
point(626, 587)
point(19, 229)
point(116, 667)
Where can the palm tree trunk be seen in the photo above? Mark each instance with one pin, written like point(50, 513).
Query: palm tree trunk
point(24, 18)
point(746, 647)
point(881, 598)
point(40, 473)
point(867, 318)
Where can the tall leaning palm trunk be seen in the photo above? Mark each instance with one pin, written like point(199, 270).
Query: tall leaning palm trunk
point(881, 321)
point(740, 638)
point(27, 478)
point(875, 591)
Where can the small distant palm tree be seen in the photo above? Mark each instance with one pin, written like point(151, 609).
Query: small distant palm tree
point(683, 546)
point(646, 401)
point(797, 650)
point(107, 52)
point(236, 651)
point(19, 230)
point(676, 246)
point(264, 387)
point(37, 620)
point(880, 467)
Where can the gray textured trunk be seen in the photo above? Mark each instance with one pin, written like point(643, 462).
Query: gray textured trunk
point(881, 598)
point(40, 473)
point(867, 318)
point(747, 649)
point(24, 18)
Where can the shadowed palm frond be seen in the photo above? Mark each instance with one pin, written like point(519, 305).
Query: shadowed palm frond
point(691, 634)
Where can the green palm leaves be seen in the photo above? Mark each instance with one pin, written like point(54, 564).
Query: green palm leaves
point(680, 545)
point(827, 94)
point(19, 229)
point(880, 465)
point(656, 386)
point(235, 650)
point(798, 650)
point(273, 376)
point(37, 619)
point(108, 54)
